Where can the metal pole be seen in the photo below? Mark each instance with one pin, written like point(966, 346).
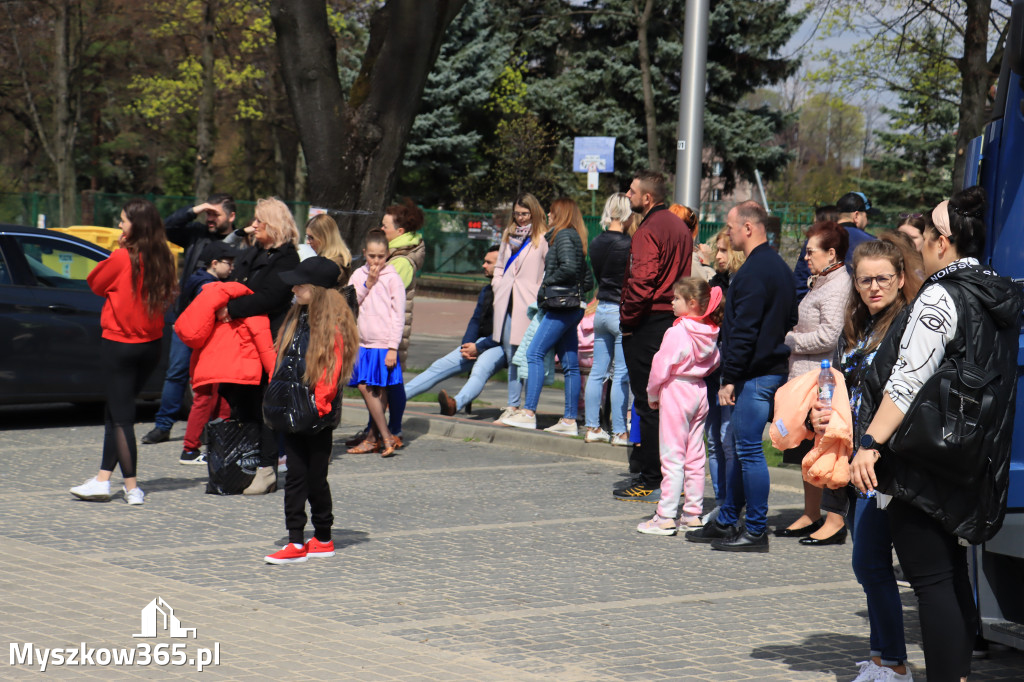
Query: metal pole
point(692, 83)
point(760, 186)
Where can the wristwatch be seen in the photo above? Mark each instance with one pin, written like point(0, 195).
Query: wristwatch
point(868, 442)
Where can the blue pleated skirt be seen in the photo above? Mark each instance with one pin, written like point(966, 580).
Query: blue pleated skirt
point(371, 370)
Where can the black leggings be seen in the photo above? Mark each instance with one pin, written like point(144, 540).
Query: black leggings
point(247, 406)
point(126, 367)
point(936, 566)
point(308, 457)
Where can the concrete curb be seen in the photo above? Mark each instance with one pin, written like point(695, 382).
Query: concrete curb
point(423, 424)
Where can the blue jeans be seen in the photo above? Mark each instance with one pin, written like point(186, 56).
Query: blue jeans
point(175, 382)
point(872, 564)
point(607, 341)
point(447, 366)
point(721, 449)
point(515, 389)
point(749, 482)
point(557, 330)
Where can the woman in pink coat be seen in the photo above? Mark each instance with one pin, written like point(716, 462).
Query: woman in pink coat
point(688, 353)
point(517, 277)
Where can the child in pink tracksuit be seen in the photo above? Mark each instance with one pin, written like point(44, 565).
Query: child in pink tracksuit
point(688, 353)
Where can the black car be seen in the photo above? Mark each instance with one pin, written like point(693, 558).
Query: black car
point(50, 320)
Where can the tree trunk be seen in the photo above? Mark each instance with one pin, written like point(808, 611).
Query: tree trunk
point(976, 77)
point(66, 126)
point(643, 21)
point(203, 176)
point(353, 146)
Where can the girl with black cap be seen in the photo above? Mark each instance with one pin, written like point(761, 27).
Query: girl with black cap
point(316, 350)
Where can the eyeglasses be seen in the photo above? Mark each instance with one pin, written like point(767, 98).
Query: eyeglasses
point(523, 214)
point(811, 249)
point(884, 282)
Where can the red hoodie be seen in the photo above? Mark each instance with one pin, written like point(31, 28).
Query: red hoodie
point(124, 317)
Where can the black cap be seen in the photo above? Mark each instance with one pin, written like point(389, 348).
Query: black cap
point(852, 202)
point(218, 250)
point(319, 271)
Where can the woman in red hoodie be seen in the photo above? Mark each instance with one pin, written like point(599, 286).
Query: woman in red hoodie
point(138, 281)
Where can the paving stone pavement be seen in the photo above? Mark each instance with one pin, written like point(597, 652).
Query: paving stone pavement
point(457, 560)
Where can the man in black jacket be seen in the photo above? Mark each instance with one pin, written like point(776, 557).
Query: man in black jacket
point(478, 352)
point(184, 230)
point(760, 308)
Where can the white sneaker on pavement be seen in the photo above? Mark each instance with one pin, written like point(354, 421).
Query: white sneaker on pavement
point(599, 436)
point(92, 490)
point(872, 672)
point(521, 420)
point(564, 428)
point(506, 413)
point(620, 439)
point(134, 496)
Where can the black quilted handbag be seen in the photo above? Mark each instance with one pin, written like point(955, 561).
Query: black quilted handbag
point(233, 455)
point(558, 297)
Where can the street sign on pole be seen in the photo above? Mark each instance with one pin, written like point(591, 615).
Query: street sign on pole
point(596, 152)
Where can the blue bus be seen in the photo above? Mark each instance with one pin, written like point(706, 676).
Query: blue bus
point(996, 162)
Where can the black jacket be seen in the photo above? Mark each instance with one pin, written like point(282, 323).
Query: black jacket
point(609, 256)
point(760, 308)
point(183, 230)
point(565, 264)
point(287, 384)
point(482, 322)
point(260, 269)
point(989, 308)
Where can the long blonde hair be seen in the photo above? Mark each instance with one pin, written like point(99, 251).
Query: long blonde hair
point(538, 221)
point(565, 213)
point(329, 316)
point(736, 256)
point(324, 229)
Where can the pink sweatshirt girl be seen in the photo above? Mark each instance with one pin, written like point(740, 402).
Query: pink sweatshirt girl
point(381, 308)
point(688, 353)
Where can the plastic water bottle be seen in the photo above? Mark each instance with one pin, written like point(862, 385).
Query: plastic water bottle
point(826, 384)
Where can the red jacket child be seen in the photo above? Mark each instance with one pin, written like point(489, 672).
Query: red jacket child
point(235, 352)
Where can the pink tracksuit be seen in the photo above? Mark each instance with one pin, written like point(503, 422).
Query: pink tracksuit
point(688, 353)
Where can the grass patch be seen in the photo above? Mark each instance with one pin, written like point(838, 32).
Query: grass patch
point(773, 456)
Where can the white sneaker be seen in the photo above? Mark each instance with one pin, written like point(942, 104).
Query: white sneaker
point(599, 436)
point(521, 420)
point(564, 428)
point(620, 439)
point(872, 672)
point(506, 413)
point(92, 490)
point(134, 496)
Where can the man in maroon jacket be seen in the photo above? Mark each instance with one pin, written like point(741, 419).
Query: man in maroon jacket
point(660, 254)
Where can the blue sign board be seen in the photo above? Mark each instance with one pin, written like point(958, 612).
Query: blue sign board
point(593, 153)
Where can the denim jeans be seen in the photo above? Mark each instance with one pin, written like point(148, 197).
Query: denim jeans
point(515, 389)
point(607, 343)
point(447, 366)
point(721, 449)
point(749, 483)
point(557, 330)
point(872, 564)
point(175, 382)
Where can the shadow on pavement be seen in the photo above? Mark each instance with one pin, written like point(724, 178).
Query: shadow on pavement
point(343, 537)
point(826, 652)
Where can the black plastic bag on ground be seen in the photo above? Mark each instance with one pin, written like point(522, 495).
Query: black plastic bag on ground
point(233, 456)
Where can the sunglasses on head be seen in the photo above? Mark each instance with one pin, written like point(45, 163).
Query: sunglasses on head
point(909, 216)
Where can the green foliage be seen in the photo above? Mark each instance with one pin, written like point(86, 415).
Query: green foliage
point(572, 65)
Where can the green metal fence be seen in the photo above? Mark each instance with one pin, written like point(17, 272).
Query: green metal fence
point(456, 240)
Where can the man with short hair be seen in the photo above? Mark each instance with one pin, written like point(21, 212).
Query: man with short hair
point(660, 254)
point(184, 230)
point(853, 209)
point(478, 354)
point(760, 308)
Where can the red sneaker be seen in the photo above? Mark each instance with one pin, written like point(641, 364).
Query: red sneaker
point(289, 554)
point(315, 548)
